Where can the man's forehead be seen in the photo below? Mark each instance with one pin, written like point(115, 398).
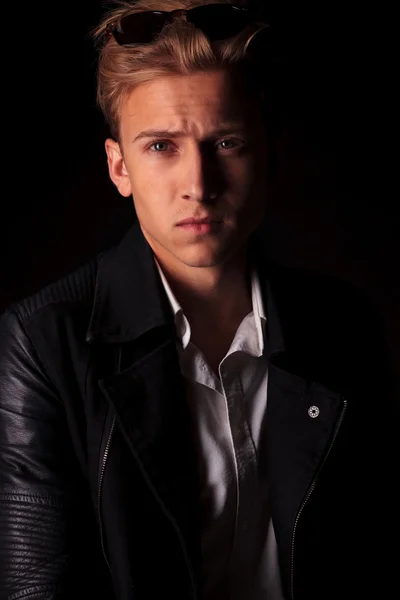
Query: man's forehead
point(184, 111)
point(175, 122)
point(186, 97)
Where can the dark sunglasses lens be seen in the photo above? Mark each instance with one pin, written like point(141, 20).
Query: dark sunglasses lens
point(139, 28)
point(219, 21)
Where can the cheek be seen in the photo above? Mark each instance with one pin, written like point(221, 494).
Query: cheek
point(246, 177)
point(150, 197)
point(144, 181)
point(147, 173)
point(249, 187)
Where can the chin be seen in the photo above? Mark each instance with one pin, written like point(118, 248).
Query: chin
point(201, 258)
point(202, 264)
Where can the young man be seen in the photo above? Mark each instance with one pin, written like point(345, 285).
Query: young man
point(179, 418)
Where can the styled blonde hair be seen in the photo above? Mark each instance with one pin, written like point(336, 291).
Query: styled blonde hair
point(179, 50)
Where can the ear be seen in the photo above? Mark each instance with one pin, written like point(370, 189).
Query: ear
point(117, 169)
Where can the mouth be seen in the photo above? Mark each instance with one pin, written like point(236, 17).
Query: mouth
point(201, 227)
point(205, 221)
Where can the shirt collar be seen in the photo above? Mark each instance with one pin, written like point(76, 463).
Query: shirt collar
point(258, 309)
point(183, 327)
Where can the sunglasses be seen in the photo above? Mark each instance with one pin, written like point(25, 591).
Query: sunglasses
point(216, 21)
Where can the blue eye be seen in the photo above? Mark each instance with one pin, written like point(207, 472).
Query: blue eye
point(157, 144)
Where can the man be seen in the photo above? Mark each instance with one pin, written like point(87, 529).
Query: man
point(179, 418)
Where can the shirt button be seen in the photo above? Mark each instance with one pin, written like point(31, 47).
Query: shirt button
point(313, 412)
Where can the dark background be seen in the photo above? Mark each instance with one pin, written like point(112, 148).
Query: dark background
point(331, 210)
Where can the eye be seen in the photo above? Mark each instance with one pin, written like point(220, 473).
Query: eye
point(155, 147)
point(229, 144)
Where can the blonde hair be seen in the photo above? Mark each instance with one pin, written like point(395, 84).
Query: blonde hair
point(180, 50)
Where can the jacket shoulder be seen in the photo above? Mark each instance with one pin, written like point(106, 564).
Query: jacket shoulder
point(320, 296)
point(75, 288)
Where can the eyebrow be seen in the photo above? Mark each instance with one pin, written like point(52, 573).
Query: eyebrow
point(166, 133)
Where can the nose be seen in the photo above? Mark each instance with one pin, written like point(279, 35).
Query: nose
point(202, 180)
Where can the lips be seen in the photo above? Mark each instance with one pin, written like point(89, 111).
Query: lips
point(192, 221)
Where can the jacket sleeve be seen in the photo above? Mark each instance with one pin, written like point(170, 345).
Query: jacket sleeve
point(37, 489)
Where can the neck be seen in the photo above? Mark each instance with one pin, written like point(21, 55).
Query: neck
point(213, 297)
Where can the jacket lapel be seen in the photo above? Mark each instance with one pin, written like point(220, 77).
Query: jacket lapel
point(151, 412)
point(302, 417)
point(303, 414)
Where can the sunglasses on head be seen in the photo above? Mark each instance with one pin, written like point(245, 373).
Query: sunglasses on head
point(216, 21)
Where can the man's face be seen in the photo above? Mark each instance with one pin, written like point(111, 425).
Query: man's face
point(192, 146)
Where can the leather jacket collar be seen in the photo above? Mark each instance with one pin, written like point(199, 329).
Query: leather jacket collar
point(130, 301)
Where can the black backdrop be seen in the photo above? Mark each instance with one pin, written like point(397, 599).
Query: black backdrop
point(331, 211)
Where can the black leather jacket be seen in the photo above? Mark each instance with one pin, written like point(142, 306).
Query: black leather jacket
point(98, 476)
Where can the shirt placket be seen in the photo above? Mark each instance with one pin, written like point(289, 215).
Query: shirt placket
point(241, 562)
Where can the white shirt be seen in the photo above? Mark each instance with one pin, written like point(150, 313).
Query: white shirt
point(239, 549)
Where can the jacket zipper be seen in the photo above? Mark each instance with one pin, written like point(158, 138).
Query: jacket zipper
point(309, 492)
point(103, 468)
